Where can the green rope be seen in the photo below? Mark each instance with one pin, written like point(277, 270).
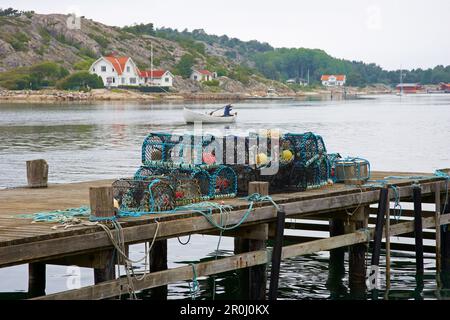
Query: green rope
point(194, 288)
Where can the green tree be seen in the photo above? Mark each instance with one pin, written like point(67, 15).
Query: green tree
point(184, 66)
point(80, 80)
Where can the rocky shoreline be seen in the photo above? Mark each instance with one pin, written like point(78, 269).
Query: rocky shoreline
point(55, 96)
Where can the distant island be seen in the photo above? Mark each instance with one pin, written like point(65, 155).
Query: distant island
point(44, 52)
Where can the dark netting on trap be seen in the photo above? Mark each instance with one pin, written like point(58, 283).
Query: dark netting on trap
point(189, 187)
point(304, 162)
point(146, 172)
point(245, 174)
point(158, 147)
point(152, 195)
point(224, 182)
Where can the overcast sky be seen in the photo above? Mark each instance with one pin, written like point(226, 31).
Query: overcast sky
point(391, 33)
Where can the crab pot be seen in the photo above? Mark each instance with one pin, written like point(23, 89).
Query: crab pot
point(187, 187)
point(158, 147)
point(352, 171)
point(161, 196)
point(303, 161)
point(143, 195)
point(203, 179)
point(224, 182)
point(146, 172)
point(245, 174)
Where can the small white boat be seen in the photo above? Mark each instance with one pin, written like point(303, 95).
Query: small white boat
point(191, 116)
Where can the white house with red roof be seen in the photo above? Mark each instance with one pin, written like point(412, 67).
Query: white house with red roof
point(122, 71)
point(160, 78)
point(333, 80)
point(202, 75)
point(116, 71)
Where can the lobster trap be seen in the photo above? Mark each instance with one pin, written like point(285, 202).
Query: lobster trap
point(352, 170)
point(223, 183)
point(299, 162)
point(189, 186)
point(149, 196)
point(179, 151)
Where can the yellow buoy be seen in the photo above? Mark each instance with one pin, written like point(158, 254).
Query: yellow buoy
point(287, 155)
point(261, 159)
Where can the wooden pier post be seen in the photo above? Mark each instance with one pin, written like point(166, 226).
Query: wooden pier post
point(37, 173)
point(418, 232)
point(383, 203)
point(437, 216)
point(445, 245)
point(254, 279)
point(108, 272)
point(388, 249)
point(102, 206)
point(36, 279)
point(158, 262)
point(336, 265)
point(357, 254)
point(276, 255)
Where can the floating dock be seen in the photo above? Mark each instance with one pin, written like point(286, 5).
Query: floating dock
point(348, 208)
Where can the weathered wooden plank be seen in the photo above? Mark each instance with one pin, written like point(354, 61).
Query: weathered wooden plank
point(155, 279)
point(21, 253)
point(255, 232)
point(113, 288)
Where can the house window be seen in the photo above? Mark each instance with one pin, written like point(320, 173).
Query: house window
point(123, 80)
point(128, 69)
point(103, 68)
point(114, 80)
point(195, 77)
point(166, 79)
point(112, 69)
point(133, 80)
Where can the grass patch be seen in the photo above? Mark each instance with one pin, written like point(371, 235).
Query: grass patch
point(101, 40)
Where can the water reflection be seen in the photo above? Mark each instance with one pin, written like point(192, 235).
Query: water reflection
point(96, 141)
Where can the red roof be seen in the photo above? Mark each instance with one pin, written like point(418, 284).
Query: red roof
point(118, 63)
point(339, 77)
point(205, 72)
point(154, 74)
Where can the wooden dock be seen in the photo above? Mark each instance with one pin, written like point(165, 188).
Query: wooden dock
point(346, 207)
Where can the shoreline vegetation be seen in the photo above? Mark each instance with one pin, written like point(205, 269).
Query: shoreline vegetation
point(56, 95)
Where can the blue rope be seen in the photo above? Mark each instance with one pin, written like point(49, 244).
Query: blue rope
point(58, 215)
point(194, 288)
point(397, 206)
point(98, 219)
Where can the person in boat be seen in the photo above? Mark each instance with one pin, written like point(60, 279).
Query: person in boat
point(227, 110)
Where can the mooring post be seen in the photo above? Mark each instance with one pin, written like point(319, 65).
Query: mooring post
point(276, 255)
point(336, 264)
point(36, 279)
point(373, 278)
point(37, 173)
point(102, 206)
point(357, 254)
point(418, 233)
point(158, 262)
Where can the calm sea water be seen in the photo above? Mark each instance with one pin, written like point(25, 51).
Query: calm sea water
point(85, 142)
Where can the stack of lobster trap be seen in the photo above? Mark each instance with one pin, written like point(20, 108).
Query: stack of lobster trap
point(181, 169)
